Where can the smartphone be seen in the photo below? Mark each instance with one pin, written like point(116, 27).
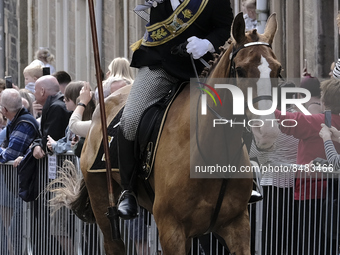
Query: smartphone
point(328, 118)
point(46, 71)
point(9, 83)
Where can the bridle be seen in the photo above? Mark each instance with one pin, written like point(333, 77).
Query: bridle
point(232, 72)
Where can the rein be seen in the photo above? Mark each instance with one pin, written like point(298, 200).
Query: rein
point(232, 74)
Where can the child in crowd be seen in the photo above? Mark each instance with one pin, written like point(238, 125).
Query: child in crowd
point(72, 91)
point(312, 84)
point(32, 73)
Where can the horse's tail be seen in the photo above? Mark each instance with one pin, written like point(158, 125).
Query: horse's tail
point(69, 190)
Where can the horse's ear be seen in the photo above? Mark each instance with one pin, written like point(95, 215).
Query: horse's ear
point(238, 28)
point(271, 28)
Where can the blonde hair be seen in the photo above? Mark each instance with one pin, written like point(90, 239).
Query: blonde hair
point(44, 55)
point(107, 85)
point(26, 94)
point(34, 70)
point(120, 67)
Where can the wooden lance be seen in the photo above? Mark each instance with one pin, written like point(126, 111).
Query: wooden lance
point(112, 213)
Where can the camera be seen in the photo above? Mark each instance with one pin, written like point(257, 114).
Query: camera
point(8, 81)
point(46, 71)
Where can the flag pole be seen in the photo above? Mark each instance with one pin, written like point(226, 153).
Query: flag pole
point(112, 213)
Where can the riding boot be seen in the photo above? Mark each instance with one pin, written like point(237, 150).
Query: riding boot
point(255, 194)
point(255, 197)
point(127, 203)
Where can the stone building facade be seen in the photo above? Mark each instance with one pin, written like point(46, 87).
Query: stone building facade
point(307, 30)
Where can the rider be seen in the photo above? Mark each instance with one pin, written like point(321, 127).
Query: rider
point(205, 25)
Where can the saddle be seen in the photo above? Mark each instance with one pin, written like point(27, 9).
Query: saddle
point(114, 105)
point(99, 162)
point(150, 129)
point(147, 137)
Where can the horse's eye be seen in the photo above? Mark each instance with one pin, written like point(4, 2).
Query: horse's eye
point(240, 72)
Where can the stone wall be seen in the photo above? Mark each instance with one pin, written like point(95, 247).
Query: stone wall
point(318, 42)
point(325, 37)
point(11, 30)
point(306, 30)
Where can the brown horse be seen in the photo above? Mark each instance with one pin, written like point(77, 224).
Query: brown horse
point(183, 207)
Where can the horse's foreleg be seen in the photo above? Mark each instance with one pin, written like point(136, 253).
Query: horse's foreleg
point(171, 235)
point(237, 234)
point(97, 187)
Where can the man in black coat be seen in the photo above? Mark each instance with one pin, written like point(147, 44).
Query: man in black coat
point(205, 25)
point(55, 116)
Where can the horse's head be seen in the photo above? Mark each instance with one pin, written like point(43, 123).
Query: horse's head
point(252, 63)
point(252, 56)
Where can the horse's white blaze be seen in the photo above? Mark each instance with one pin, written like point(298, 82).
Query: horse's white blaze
point(266, 135)
point(263, 84)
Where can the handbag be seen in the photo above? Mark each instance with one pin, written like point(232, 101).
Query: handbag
point(28, 175)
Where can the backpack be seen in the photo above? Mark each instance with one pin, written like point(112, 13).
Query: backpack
point(28, 175)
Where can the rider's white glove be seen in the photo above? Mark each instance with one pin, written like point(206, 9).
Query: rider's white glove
point(199, 47)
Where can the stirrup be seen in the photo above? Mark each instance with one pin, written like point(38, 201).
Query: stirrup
point(127, 192)
point(128, 205)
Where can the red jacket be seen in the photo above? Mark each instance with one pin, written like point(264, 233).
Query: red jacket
point(310, 146)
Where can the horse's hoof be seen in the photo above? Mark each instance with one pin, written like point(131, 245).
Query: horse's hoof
point(255, 197)
point(128, 206)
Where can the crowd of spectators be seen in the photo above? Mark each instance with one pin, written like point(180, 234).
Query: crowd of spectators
point(294, 199)
point(37, 117)
point(53, 113)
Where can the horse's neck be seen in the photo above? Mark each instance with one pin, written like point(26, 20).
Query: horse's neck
point(222, 67)
point(214, 137)
point(223, 136)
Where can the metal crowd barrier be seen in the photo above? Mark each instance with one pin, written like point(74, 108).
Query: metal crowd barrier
point(290, 222)
point(29, 229)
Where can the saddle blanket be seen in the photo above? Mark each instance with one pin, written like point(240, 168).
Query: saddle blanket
point(92, 155)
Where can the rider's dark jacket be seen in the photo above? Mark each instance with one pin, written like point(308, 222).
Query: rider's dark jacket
point(213, 24)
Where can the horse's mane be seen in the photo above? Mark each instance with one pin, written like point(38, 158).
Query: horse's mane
point(252, 36)
point(217, 57)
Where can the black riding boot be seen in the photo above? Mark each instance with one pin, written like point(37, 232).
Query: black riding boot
point(127, 203)
point(255, 197)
